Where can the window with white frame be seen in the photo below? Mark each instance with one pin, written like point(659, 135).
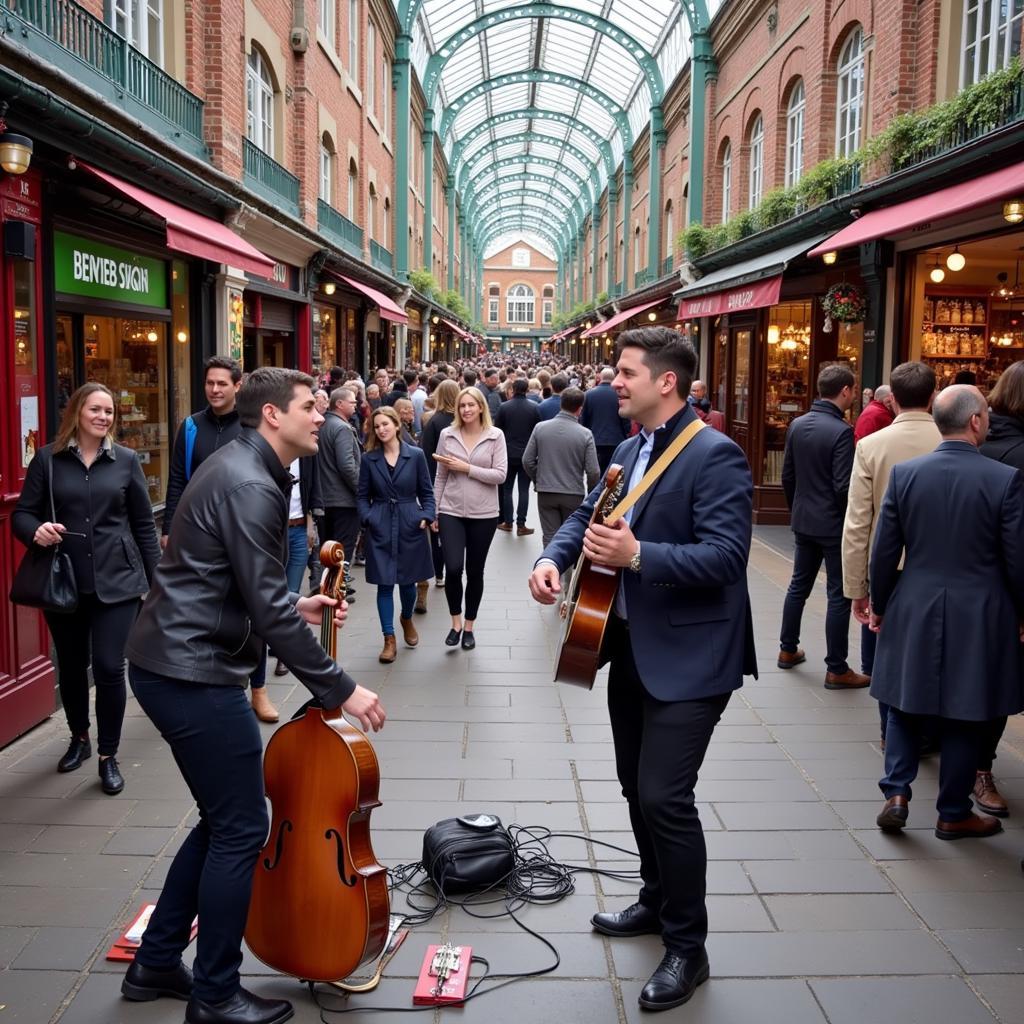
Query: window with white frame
point(726, 181)
point(141, 22)
point(353, 190)
point(385, 98)
point(991, 37)
point(353, 40)
point(520, 304)
point(492, 311)
point(669, 230)
point(371, 68)
point(636, 251)
point(326, 168)
point(385, 227)
point(325, 20)
point(755, 185)
point(795, 134)
point(371, 218)
point(850, 94)
point(259, 102)
point(549, 310)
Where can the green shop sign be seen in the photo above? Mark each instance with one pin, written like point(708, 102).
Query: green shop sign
point(85, 267)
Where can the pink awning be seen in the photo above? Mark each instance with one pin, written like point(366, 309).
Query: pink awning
point(935, 206)
point(389, 309)
point(192, 233)
point(457, 329)
point(620, 317)
point(733, 300)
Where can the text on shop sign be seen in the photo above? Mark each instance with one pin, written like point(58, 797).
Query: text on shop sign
point(114, 274)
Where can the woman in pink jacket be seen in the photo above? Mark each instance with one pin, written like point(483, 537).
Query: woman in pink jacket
point(471, 466)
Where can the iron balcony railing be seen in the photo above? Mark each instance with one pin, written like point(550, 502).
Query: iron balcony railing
point(339, 229)
point(641, 277)
point(381, 257)
point(268, 178)
point(666, 265)
point(105, 60)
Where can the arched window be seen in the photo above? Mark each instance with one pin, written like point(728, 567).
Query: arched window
point(353, 190)
point(520, 304)
point(371, 217)
point(795, 134)
point(850, 94)
point(259, 102)
point(991, 38)
point(326, 167)
point(726, 181)
point(756, 181)
point(670, 243)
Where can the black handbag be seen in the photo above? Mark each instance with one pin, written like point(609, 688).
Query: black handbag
point(458, 858)
point(46, 578)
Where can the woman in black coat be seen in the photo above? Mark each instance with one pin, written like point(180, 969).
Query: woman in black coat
point(396, 505)
point(105, 521)
point(446, 398)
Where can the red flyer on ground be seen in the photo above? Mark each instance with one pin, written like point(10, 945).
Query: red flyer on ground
point(125, 946)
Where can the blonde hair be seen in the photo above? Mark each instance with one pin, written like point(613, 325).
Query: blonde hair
point(68, 430)
point(403, 403)
point(372, 440)
point(446, 397)
point(477, 395)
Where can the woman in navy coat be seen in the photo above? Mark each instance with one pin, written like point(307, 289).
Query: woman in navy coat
point(396, 506)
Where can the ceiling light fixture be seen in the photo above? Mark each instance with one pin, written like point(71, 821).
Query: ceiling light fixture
point(938, 275)
point(956, 261)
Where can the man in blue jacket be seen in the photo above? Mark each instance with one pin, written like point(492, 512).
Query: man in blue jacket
point(680, 639)
point(601, 415)
point(816, 472)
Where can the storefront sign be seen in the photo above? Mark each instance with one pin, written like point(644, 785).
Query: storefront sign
point(100, 271)
point(284, 276)
point(19, 197)
point(751, 296)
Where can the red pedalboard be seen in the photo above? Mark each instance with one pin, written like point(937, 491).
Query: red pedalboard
point(443, 976)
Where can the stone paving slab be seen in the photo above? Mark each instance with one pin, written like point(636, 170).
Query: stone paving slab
point(814, 915)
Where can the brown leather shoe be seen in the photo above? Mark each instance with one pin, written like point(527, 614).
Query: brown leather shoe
point(987, 797)
point(265, 711)
point(389, 650)
point(848, 680)
point(505, 527)
point(409, 633)
point(894, 814)
point(977, 826)
point(790, 659)
point(422, 589)
point(524, 531)
point(280, 668)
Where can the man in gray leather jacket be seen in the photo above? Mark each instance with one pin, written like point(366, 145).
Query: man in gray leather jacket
point(217, 596)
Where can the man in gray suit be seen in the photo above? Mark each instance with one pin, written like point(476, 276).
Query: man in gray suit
point(339, 472)
point(561, 460)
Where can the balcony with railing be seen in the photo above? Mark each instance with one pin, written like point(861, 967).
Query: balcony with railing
point(267, 178)
point(339, 229)
point(381, 258)
point(666, 265)
point(71, 39)
point(641, 277)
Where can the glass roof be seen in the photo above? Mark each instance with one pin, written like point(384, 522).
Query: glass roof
point(571, 45)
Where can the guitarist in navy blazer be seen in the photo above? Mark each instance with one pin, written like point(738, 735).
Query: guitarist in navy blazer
point(679, 641)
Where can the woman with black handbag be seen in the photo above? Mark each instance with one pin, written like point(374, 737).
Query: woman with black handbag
point(89, 495)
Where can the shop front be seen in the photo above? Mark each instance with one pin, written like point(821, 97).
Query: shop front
point(335, 328)
point(277, 321)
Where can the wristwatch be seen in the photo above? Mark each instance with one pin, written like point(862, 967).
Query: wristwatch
point(634, 562)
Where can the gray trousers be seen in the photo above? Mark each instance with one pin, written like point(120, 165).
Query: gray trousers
point(554, 509)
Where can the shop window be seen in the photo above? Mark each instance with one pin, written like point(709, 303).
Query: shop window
point(991, 37)
point(756, 182)
point(259, 102)
point(787, 384)
point(326, 168)
point(180, 346)
point(353, 40)
point(325, 20)
point(726, 181)
point(141, 22)
point(795, 134)
point(850, 94)
point(520, 304)
point(325, 337)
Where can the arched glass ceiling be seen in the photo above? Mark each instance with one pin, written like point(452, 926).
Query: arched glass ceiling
point(565, 46)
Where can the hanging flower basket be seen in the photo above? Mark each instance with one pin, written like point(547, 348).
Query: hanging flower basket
point(846, 303)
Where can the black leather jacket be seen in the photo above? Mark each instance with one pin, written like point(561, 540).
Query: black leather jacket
point(220, 590)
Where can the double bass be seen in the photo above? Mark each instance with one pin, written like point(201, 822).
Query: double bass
point(320, 904)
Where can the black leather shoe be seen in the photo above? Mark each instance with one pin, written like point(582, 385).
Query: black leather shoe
point(452, 639)
point(242, 1008)
point(142, 984)
point(634, 920)
point(675, 981)
point(468, 643)
point(110, 776)
point(80, 750)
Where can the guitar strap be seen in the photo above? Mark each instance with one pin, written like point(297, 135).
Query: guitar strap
point(652, 474)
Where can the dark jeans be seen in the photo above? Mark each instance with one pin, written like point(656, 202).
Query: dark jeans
point(659, 748)
point(515, 472)
point(962, 745)
point(807, 559)
point(465, 542)
point(342, 524)
point(386, 605)
point(103, 628)
point(215, 740)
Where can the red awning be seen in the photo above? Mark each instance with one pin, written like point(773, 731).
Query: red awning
point(614, 321)
point(733, 300)
point(193, 233)
point(936, 205)
point(389, 309)
point(457, 329)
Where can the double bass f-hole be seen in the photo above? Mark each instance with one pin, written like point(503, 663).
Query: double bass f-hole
point(286, 826)
point(333, 833)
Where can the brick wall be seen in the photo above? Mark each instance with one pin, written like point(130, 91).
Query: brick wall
point(498, 270)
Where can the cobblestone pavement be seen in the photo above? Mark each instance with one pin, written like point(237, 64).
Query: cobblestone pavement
point(815, 915)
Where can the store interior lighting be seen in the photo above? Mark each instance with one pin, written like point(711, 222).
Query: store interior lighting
point(937, 274)
point(773, 334)
point(956, 261)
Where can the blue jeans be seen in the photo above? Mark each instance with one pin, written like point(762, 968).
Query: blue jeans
point(386, 605)
point(215, 740)
point(298, 555)
point(808, 556)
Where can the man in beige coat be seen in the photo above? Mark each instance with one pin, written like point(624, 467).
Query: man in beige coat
point(912, 433)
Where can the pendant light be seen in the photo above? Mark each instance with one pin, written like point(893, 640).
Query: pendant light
point(938, 275)
point(956, 261)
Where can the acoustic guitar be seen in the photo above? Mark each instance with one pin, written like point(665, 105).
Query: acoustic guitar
point(588, 602)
